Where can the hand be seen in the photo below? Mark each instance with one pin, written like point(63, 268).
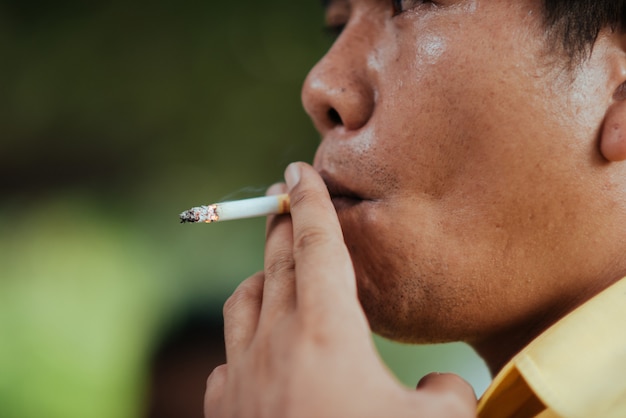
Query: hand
point(297, 341)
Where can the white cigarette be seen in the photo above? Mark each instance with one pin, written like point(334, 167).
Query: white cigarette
point(237, 209)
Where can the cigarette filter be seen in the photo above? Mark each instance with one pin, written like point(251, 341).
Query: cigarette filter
point(237, 209)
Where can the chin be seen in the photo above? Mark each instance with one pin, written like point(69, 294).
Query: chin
point(403, 299)
point(407, 326)
point(388, 301)
point(403, 306)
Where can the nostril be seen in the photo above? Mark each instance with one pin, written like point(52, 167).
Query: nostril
point(334, 117)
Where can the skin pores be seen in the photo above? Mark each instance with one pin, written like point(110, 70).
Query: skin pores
point(472, 154)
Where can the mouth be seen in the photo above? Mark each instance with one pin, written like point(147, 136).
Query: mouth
point(341, 195)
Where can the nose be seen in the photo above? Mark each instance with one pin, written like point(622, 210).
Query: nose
point(338, 92)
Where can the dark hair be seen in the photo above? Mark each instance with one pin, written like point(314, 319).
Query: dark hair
point(575, 24)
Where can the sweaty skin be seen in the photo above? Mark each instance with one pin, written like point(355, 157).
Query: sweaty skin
point(475, 152)
point(468, 186)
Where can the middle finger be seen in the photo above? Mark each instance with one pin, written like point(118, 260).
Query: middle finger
point(279, 290)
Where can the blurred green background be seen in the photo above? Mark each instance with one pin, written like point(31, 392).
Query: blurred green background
point(114, 117)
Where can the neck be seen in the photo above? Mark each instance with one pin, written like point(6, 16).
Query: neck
point(499, 347)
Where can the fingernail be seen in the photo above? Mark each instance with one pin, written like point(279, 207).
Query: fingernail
point(292, 175)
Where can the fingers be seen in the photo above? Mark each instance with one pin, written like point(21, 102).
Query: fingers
point(279, 288)
point(241, 315)
point(214, 391)
point(324, 272)
point(458, 394)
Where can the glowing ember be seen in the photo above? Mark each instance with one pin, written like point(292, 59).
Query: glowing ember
point(205, 214)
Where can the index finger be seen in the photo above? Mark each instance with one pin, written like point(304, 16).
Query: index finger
point(324, 274)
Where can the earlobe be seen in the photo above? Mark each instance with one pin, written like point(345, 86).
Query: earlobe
point(613, 137)
point(613, 134)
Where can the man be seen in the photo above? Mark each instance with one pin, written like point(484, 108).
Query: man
point(470, 183)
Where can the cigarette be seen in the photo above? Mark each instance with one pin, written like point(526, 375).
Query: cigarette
point(237, 209)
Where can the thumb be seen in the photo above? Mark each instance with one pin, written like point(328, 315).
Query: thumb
point(451, 387)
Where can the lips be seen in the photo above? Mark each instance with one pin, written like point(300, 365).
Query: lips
point(341, 195)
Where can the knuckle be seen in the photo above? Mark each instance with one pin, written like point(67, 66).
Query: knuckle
point(215, 386)
point(280, 263)
point(236, 300)
point(320, 339)
point(300, 197)
point(314, 330)
point(249, 291)
point(217, 376)
point(311, 237)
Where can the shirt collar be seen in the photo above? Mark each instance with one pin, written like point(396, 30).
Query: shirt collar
point(576, 368)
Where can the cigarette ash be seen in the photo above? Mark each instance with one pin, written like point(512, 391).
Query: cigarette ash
point(206, 214)
point(188, 216)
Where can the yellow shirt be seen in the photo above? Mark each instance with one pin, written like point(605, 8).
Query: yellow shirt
point(576, 369)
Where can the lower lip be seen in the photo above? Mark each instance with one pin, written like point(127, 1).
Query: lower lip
point(344, 202)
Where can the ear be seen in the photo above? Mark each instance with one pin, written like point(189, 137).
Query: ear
point(613, 135)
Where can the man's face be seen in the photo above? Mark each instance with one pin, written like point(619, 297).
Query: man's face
point(461, 154)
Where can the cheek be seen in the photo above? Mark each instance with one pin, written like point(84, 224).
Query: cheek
point(398, 276)
point(430, 50)
point(381, 280)
point(424, 124)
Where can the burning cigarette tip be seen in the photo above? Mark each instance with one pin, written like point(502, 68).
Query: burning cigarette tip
point(187, 216)
point(238, 209)
point(206, 214)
